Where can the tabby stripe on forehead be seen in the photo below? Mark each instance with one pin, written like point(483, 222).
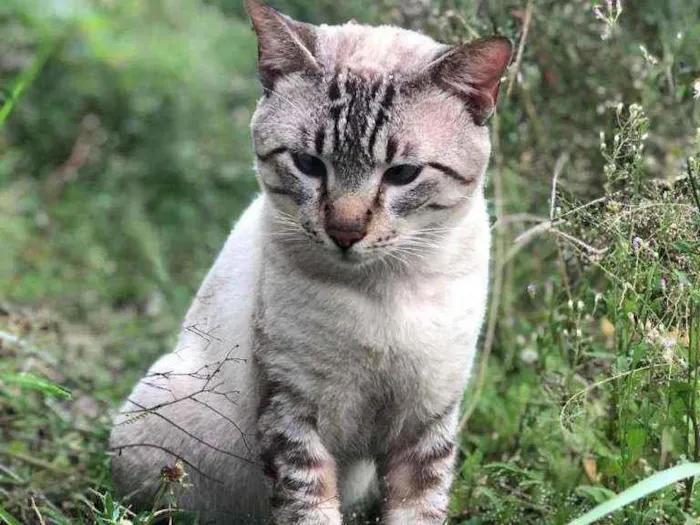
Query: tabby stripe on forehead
point(319, 140)
point(334, 95)
point(391, 148)
point(381, 117)
point(356, 120)
point(335, 116)
point(450, 172)
point(334, 89)
point(375, 89)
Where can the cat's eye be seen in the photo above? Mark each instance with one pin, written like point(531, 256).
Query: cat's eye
point(402, 174)
point(309, 165)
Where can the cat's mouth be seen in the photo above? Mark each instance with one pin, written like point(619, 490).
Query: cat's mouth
point(345, 255)
point(353, 257)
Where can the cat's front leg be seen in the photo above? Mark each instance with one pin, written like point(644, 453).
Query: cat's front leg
point(302, 470)
point(418, 471)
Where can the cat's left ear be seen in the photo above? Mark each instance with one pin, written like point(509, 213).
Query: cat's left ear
point(285, 46)
point(473, 72)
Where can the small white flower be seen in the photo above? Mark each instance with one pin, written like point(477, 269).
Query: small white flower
point(667, 342)
point(598, 13)
point(529, 356)
point(696, 89)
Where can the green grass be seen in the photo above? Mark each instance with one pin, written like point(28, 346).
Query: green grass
point(124, 158)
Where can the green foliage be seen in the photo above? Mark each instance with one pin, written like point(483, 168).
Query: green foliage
point(28, 381)
point(125, 156)
point(122, 164)
point(7, 517)
point(642, 489)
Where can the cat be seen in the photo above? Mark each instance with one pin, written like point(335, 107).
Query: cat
point(323, 360)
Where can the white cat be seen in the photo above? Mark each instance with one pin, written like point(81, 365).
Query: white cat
point(326, 353)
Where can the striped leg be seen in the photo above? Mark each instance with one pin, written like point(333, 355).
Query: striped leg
point(302, 470)
point(418, 474)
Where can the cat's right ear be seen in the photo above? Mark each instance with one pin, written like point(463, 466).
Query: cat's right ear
point(285, 46)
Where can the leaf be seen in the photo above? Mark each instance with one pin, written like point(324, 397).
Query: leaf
point(642, 489)
point(31, 382)
point(591, 468)
point(7, 518)
point(597, 494)
point(636, 439)
point(607, 327)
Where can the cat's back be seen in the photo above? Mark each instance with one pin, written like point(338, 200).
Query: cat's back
point(225, 301)
point(218, 323)
point(198, 403)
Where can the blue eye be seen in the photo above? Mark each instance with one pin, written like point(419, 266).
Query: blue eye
point(309, 165)
point(402, 174)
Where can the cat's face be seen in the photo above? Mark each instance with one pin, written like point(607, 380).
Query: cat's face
point(370, 141)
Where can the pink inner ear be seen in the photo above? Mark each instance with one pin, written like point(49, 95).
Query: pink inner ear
point(486, 62)
point(284, 45)
point(473, 72)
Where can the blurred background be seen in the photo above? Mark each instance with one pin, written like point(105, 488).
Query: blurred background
point(125, 158)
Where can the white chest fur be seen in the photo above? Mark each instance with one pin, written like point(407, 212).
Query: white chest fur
point(406, 346)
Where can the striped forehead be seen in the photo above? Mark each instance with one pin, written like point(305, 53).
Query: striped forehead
point(358, 111)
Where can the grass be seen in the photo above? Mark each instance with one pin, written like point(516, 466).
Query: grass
point(120, 175)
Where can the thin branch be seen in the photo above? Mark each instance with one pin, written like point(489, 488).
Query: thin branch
point(36, 511)
point(196, 438)
point(167, 451)
point(521, 48)
point(587, 247)
point(517, 218)
point(558, 168)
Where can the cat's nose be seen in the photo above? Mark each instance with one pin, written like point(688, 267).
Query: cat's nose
point(346, 221)
point(346, 238)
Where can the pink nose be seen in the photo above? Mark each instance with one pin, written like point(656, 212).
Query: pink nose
point(347, 219)
point(346, 238)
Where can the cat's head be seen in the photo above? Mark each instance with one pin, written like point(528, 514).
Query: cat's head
point(370, 141)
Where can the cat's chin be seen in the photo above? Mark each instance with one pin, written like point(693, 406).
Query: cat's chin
point(349, 260)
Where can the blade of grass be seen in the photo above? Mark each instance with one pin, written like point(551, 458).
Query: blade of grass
point(642, 489)
point(26, 79)
point(7, 518)
point(31, 382)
